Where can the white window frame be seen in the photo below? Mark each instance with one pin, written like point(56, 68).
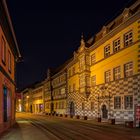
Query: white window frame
point(117, 73)
point(128, 69)
point(93, 59)
point(107, 76)
point(107, 50)
point(128, 102)
point(116, 45)
point(117, 102)
point(128, 38)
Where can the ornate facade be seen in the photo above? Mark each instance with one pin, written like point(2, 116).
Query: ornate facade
point(102, 79)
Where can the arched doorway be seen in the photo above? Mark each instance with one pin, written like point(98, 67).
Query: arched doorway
point(72, 111)
point(104, 112)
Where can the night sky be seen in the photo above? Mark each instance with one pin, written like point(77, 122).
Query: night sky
point(49, 31)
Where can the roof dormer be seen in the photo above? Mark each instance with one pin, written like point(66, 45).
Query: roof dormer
point(126, 13)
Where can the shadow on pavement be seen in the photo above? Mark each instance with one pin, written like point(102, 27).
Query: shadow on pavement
point(13, 133)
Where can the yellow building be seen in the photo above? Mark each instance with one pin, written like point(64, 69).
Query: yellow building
point(37, 98)
point(26, 93)
point(9, 55)
point(33, 98)
point(102, 79)
point(108, 71)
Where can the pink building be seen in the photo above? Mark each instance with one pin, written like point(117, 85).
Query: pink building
point(9, 55)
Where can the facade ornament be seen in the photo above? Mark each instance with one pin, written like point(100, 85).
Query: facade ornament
point(82, 45)
point(126, 13)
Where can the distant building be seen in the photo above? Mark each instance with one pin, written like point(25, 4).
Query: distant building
point(9, 54)
point(33, 98)
point(19, 104)
point(102, 79)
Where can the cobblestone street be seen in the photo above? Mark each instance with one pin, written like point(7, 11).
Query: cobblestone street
point(39, 127)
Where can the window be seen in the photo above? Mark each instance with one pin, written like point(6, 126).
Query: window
point(117, 73)
point(116, 45)
point(93, 59)
point(117, 102)
point(107, 51)
point(3, 50)
point(108, 76)
point(83, 106)
point(128, 100)
point(92, 105)
point(9, 61)
point(62, 90)
point(93, 80)
point(128, 39)
point(128, 69)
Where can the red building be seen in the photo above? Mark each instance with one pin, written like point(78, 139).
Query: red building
point(9, 54)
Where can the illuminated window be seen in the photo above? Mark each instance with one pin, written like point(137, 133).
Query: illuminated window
point(93, 80)
point(93, 58)
point(117, 102)
point(128, 100)
point(92, 105)
point(116, 45)
point(128, 39)
point(128, 69)
point(3, 47)
point(62, 90)
point(117, 73)
point(108, 76)
point(107, 51)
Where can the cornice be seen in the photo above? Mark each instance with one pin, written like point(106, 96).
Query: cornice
point(116, 30)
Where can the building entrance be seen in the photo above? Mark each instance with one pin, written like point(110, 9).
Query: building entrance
point(72, 110)
point(104, 112)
